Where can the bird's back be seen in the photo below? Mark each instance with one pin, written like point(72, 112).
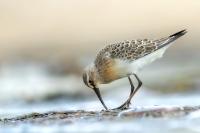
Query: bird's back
point(132, 51)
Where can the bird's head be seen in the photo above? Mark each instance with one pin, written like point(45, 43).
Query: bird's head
point(89, 77)
point(90, 80)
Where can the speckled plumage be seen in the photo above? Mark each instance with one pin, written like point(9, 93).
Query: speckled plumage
point(123, 59)
point(127, 51)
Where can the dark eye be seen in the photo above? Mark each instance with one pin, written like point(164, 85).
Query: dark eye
point(91, 82)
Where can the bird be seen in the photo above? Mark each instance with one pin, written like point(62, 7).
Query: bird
point(123, 59)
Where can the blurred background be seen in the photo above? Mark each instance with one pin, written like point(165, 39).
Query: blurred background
point(44, 46)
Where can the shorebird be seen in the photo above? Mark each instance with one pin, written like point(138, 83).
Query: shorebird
point(124, 59)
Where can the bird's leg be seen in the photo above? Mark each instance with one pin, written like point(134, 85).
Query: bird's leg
point(138, 87)
point(125, 104)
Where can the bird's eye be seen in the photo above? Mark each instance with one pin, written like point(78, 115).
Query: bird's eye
point(91, 82)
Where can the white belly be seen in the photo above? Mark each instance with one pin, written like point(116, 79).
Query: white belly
point(136, 65)
point(125, 67)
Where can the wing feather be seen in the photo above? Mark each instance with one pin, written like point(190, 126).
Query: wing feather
point(130, 50)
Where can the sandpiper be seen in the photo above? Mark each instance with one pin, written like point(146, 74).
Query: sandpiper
point(124, 59)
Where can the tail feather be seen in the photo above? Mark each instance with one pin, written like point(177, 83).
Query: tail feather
point(172, 38)
point(179, 34)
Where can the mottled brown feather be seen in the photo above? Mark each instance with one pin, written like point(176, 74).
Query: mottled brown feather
point(129, 51)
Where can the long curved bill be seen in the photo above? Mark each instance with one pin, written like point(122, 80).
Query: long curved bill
point(96, 90)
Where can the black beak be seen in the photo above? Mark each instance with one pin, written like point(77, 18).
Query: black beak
point(96, 90)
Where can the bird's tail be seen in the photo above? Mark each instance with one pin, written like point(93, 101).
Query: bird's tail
point(178, 34)
point(172, 38)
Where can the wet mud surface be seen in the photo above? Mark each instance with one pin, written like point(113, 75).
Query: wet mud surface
point(70, 117)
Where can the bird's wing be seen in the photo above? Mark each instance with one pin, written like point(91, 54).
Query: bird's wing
point(129, 51)
point(108, 58)
point(134, 49)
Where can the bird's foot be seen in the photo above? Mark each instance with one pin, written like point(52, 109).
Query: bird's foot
point(123, 106)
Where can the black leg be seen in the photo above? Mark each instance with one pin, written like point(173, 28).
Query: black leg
point(132, 86)
point(125, 104)
point(138, 87)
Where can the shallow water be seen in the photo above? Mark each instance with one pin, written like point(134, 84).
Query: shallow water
point(138, 125)
point(184, 124)
point(31, 90)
